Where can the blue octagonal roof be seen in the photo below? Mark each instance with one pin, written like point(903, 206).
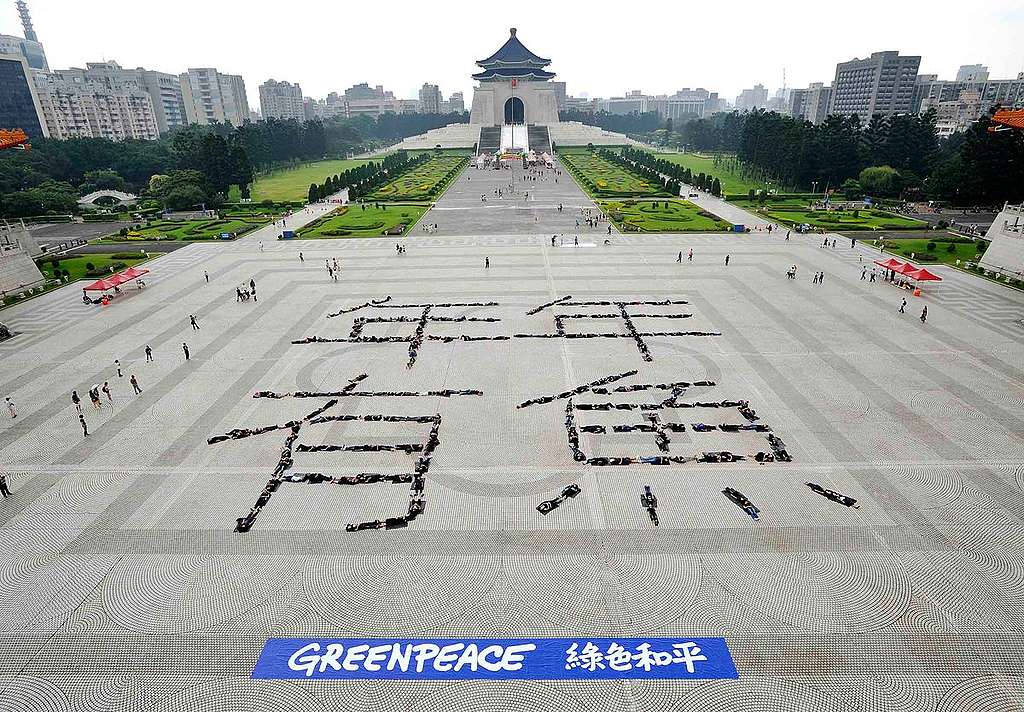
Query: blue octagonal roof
point(513, 53)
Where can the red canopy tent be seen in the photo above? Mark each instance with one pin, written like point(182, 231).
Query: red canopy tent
point(923, 275)
point(905, 269)
point(102, 285)
point(891, 263)
point(132, 273)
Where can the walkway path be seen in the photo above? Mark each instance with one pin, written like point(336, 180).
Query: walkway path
point(460, 211)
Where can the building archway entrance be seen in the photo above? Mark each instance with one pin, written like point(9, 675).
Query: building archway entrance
point(515, 112)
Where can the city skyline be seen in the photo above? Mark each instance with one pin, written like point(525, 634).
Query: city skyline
point(106, 30)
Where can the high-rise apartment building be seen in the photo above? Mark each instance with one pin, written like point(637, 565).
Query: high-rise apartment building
point(810, 104)
point(281, 100)
point(456, 103)
point(212, 97)
point(28, 46)
point(164, 89)
point(972, 73)
point(881, 84)
point(430, 99)
point(754, 98)
point(19, 104)
point(100, 101)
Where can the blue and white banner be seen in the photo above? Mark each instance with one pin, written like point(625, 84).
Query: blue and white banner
point(494, 659)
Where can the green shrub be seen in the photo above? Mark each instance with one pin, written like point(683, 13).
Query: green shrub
point(930, 246)
point(951, 247)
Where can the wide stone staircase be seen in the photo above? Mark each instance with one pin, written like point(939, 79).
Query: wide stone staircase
point(539, 139)
point(490, 139)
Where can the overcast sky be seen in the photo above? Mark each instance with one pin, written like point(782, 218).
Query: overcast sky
point(598, 48)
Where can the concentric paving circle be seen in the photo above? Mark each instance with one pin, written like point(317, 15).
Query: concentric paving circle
point(985, 694)
point(241, 695)
point(396, 594)
point(179, 594)
point(753, 694)
point(579, 592)
point(821, 591)
point(501, 697)
point(31, 694)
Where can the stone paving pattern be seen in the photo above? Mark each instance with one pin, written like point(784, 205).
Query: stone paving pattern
point(122, 586)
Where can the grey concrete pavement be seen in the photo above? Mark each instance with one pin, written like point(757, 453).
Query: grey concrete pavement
point(119, 560)
point(471, 205)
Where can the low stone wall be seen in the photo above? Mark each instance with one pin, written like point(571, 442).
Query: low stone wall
point(17, 270)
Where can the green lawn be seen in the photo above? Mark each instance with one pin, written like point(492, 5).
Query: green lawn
point(604, 179)
point(840, 220)
point(963, 251)
point(661, 216)
point(101, 262)
point(733, 183)
point(293, 183)
point(424, 181)
point(355, 221)
point(190, 229)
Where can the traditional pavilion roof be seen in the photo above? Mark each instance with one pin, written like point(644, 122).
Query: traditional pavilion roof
point(514, 54)
point(506, 73)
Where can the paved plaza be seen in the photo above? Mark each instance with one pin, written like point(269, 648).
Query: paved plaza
point(489, 390)
point(531, 208)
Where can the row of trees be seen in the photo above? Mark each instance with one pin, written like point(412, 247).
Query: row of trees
point(363, 180)
point(970, 167)
point(644, 164)
point(676, 173)
point(201, 162)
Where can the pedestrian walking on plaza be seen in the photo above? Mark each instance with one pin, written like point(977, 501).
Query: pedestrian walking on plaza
point(787, 235)
point(679, 259)
point(252, 284)
point(106, 392)
point(689, 257)
point(94, 396)
point(207, 275)
point(924, 315)
point(85, 428)
point(334, 273)
point(872, 280)
point(814, 280)
point(727, 260)
point(853, 242)
point(149, 353)
point(184, 347)
point(76, 400)
point(4, 489)
point(821, 277)
point(903, 307)
point(193, 322)
point(10, 407)
point(576, 241)
point(336, 267)
point(117, 363)
point(487, 262)
point(863, 274)
point(135, 385)
point(261, 245)
point(301, 258)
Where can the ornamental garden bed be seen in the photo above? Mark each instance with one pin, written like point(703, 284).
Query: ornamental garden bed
point(187, 229)
point(355, 220)
point(840, 220)
point(603, 179)
point(661, 216)
point(424, 181)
